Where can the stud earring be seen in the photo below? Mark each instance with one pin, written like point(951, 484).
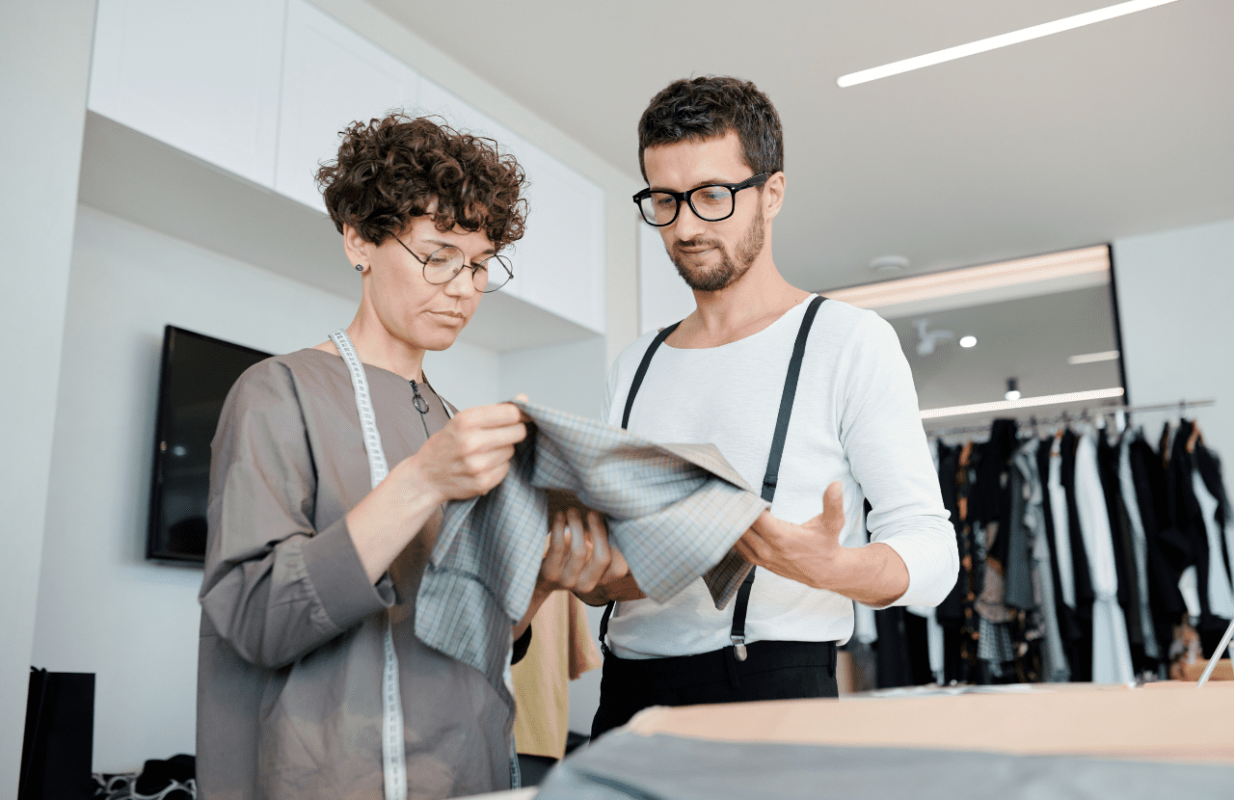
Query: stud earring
point(359, 268)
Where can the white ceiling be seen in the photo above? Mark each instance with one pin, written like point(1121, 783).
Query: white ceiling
point(1120, 128)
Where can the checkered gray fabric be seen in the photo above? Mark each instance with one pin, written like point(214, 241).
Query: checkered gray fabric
point(674, 511)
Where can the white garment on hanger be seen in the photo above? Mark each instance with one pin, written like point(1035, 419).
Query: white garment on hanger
point(1220, 594)
point(1189, 588)
point(1062, 529)
point(1111, 650)
point(1140, 541)
point(934, 640)
point(865, 629)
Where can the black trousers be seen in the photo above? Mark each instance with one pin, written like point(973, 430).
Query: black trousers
point(771, 671)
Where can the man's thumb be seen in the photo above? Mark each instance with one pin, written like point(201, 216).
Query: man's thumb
point(833, 507)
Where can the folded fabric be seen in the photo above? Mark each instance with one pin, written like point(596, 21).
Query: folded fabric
point(674, 512)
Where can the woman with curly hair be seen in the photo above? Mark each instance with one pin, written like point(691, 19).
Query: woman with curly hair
point(311, 681)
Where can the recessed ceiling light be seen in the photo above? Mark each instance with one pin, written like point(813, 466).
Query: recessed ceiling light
point(968, 341)
point(1092, 358)
point(995, 42)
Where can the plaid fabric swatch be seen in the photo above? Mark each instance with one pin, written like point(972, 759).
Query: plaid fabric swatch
point(674, 512)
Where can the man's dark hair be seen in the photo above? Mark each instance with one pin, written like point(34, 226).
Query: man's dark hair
point(697, 109)
point(390, 170)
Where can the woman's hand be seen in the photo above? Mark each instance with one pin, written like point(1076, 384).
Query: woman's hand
point(470, 455)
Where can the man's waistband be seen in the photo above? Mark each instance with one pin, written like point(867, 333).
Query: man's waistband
point(717, 664)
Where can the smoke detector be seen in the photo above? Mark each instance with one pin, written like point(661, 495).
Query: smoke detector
point(889, 265)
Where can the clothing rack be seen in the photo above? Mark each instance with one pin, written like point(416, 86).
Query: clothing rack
point(1086, 413)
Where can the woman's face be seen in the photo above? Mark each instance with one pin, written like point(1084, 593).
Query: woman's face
point(420, 314)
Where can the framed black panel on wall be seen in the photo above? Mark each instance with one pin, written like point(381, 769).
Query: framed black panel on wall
point(197, 373)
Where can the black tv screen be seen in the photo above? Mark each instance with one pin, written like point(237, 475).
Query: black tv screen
point(197, 373)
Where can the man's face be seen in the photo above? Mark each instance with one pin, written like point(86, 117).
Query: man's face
point(709, 256)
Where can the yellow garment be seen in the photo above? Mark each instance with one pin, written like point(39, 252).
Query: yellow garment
point(561, 650)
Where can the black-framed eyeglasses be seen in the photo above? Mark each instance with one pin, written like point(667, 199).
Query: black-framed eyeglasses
point(710, 203)
point(445, 262)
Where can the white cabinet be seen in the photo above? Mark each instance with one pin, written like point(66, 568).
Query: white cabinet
point(200, 76)
point(261, 89)
point(559, 262)
point(331, 78)
point(562, 253)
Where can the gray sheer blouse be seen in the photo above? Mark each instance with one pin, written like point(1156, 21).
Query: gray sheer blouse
point(290, 657)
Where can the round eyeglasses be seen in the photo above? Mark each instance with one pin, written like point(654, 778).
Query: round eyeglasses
point(710, 203)
point(448, 261)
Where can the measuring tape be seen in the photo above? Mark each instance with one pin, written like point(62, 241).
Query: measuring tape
point(393, 753)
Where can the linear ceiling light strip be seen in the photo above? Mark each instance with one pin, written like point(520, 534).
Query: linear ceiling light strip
point(995, 42)
point(1093, 358)
point(973, 279)
point(1024, 402)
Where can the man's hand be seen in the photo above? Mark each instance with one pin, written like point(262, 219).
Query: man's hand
point(873, 575)
point(807, 553)
point(578, 558)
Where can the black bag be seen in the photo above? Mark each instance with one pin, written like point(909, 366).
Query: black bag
point(59, 740)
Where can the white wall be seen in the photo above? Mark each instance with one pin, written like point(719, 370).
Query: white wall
point(44, 72)
point(1176, 304)
point(102, 608)
point(568, 377)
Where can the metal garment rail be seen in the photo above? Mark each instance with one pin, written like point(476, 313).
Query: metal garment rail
point(1087, 413)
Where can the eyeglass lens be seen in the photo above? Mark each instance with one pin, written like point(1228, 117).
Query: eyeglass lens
point(443, 264)
point(710, 203)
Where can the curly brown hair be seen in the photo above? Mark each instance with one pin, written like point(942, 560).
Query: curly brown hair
point(391, 170)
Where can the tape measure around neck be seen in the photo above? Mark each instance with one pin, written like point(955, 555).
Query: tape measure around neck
point(393, 752)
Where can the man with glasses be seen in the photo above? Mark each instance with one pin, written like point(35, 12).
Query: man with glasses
point(812, 401)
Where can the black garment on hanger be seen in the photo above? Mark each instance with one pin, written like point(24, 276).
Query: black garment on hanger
point(1124, 548)
point(1082, 666)
point(1167, 551)
point(1209, 465)
point(903, 648)
point(1190, 522)
point(992, 500)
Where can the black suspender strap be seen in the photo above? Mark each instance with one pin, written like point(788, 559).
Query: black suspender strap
point(641, 372)
point(770, 477)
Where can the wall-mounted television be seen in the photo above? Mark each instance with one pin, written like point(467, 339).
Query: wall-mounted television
point(197, 372)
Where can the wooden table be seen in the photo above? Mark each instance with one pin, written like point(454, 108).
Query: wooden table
point(1170, 721)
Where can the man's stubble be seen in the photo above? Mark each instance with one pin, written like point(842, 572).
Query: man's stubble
point(730, 268)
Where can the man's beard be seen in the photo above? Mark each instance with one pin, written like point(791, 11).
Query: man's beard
point(730, 268)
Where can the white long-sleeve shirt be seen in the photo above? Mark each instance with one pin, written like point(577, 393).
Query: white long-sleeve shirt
point(855, 420)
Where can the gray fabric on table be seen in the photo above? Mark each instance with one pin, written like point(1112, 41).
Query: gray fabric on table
point(674, 512)
point(627, 765)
